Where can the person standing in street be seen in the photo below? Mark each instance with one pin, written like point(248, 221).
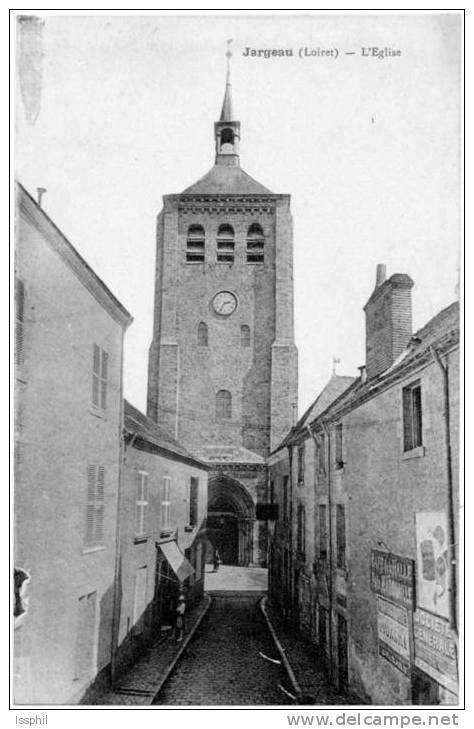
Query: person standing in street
point(216, 559)
point(180, 618)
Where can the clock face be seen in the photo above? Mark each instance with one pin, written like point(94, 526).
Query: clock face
point(224, 303)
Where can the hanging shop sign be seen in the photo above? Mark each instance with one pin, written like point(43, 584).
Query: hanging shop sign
point(393, 577)
point(435, 648)
point(394, 634)
point(432, 560)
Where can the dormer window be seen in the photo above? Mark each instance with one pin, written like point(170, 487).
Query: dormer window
point(225, 244)
point(195, 244)
point(255, 244)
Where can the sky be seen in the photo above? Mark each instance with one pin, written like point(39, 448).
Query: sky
point(368, 148)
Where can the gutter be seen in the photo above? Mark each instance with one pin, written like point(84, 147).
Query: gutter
point(452, 588)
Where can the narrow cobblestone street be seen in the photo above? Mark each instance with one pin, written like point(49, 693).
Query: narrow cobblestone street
point(223, 665)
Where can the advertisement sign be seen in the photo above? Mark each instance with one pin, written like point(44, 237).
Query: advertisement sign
point(395, 659)
point(393, 634)
point(435, 648)
point(393, 577)
point(432, 562)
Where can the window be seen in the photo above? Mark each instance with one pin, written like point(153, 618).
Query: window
point(166, 503)
point(341, 536)
point(301, 529)
point(322, 627)
point(85, 636)
point(99, 377)
point(19, 319)
point(193, 500)
point(412, 426)
point(195, 244)
point(223, 405)
point(225, 244)
point(301, 463)
point(95, 506)
point(202, 335)
point(322, 453)
point(272, 492)
point(141, 512)
point(255, 244)
point(338, 435)
point(244, 336)
point(285, 497)
point(323, 533)
point(139, 598)
point(198, 564)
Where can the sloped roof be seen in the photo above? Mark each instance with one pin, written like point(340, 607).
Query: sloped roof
point(442, 332)
point(136, 423)
point(334, 388)
point(228, 454)
point(226, 180)
point(55, 238)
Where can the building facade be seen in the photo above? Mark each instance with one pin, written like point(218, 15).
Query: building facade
point(162, 536)
point(371, 575)
point(223, 363)
point(69, 331)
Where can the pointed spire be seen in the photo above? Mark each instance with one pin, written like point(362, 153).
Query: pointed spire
point(227, 110)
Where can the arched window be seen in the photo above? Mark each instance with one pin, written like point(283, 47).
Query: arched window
point(227, 136)
point(195, 244)
point(223, 405)
point(255, 244)
point(244, 336)
point(227, 140)
point(202, 335)
point(225, 244)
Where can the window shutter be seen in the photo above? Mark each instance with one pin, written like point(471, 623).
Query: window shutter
point(95, 374)
point(407, 420)
point(416, 406)
point(103, 382)
point(99, 530)
point(19, 320)
point(138, 481)
point(90, 512)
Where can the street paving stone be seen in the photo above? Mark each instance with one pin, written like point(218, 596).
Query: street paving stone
point(223, 665)
point(309, 667)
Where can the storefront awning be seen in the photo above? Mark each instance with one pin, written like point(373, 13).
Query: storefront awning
point(177, 561)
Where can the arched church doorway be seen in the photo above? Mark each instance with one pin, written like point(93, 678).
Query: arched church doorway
point(230, 521)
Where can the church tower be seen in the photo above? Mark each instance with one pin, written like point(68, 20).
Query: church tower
point(223, 363)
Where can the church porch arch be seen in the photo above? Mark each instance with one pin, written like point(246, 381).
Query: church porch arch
point(231, 520)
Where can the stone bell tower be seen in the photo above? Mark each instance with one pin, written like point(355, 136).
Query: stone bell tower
point(223, 363)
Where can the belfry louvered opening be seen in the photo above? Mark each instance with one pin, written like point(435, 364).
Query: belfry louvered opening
point(255, 244)
point(195, 244)
point(225, 244)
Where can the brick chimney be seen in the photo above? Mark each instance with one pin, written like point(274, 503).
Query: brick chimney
point(388, 326)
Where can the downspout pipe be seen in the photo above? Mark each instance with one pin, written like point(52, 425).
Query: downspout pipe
point(290, 521)
point(115, 608)
point(330, 565)
point(452, 589)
